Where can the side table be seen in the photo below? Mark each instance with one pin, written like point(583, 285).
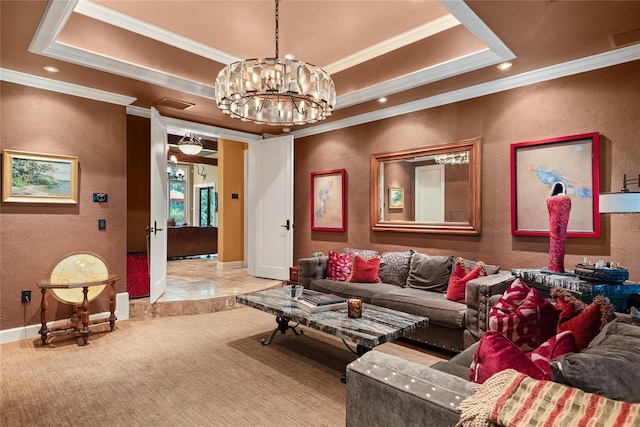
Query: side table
point(586, 291)
point(81, 311)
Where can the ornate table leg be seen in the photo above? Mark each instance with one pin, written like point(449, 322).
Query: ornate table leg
point(85, 315)
point(283, 325)
point(44, 305)
point(112, 305)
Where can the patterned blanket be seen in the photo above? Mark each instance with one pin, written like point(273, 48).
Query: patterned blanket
point(509, 398)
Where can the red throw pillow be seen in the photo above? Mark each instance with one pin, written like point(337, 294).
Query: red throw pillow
point(585, 321)
point(339, 266)
point(524, 316)
point(365, 270)
point(456, 290)
point(495, 353)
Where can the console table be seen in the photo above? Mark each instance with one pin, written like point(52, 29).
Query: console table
point(585, 290)
point(81, 311)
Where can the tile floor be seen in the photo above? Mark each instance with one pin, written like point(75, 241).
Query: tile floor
point(196, 286)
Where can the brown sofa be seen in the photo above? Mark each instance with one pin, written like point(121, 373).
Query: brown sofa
point(452, 325)
point(189, 241)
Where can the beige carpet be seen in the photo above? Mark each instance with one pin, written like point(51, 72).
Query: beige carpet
point(200, 370)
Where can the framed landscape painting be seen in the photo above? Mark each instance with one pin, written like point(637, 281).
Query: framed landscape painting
point(39, 178)
point(396, 198)
point(328, 200)
point(536, 166)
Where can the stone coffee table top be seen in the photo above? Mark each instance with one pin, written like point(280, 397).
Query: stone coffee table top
point(376, 326)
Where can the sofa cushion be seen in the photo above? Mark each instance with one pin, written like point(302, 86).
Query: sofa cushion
point(586, 321)
point(469, 265)
point(339, 265)
point(429, 272)
point(456, 290)
point(496, 353)
point(608, 366)
point(433, 305)
point(363, 291)
point(394, 267)
point(364, 270)
point(524, 316)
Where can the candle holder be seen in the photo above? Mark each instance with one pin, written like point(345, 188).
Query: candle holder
point(354, 308)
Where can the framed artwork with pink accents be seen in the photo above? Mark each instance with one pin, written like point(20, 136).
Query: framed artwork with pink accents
point(536, 166)
point(328, 200)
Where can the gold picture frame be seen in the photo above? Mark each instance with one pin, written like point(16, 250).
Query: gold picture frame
point(396, 198)
point(39, 178)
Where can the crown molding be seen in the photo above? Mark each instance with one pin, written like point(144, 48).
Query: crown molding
point(590, 63)
point(454, 67)
point(423, 31)
point(62, 87)
point(112, 17)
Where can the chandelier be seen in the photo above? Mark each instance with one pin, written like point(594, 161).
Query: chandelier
point(190, 144)
point(275, 92)
point(452, 159)
point(174, 173)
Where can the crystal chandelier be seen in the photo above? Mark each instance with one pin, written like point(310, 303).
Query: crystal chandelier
point(190, 144)
point(452, 159)
point(275, 92)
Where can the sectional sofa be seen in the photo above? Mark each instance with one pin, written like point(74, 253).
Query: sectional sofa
point(417, 283)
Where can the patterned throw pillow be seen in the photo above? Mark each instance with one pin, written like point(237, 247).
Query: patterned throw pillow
point(365, 270)
point(496, 353)
point(524, 316)
point(586, 321)
point(339, 266)
point(456, 291)
point(394, 267)
point(364, 253)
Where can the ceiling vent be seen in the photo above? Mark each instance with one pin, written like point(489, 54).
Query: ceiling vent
point(625, 38)
point(174, 103)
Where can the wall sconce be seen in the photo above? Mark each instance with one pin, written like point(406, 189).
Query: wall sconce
point(624, 201)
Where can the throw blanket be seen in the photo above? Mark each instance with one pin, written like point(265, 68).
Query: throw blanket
point(510, 398)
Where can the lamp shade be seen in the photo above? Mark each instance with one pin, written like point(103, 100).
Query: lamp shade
point(621, 202)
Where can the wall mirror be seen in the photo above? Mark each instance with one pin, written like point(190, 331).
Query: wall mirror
point(431, 189)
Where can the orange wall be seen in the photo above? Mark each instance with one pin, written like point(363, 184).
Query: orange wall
point(605, 101)
point(230, 210)
point(34, 237)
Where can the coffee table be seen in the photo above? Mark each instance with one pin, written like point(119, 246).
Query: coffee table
point(376, 326)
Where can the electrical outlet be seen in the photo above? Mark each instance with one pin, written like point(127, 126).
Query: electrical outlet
point(26, 296)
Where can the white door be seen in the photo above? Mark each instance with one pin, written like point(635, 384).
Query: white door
point(270, 213)
point(158, 226)
point(430, 193)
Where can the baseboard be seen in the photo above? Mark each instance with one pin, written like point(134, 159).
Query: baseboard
point(31, 331)
point(229, 265)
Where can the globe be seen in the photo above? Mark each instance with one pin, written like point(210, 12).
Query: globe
point(78, 268)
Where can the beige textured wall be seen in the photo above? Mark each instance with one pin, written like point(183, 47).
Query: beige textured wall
point(605, 101)
point(230, 210)
point(33, 237)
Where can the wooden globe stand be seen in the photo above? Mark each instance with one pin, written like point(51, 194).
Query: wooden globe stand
point(80, 319)
point(77, 279)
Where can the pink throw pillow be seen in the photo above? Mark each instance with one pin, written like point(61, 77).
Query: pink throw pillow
point(339, 266)
point(365, 270)
point(457, 288)
point(496, 353)
point(524, 316)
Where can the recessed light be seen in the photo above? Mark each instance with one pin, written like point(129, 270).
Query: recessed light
point(51, 68)
point(505, 66)
point(382, 100)
point(286, 130)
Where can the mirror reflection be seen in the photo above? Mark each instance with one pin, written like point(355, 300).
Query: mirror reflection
point(432, 189)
